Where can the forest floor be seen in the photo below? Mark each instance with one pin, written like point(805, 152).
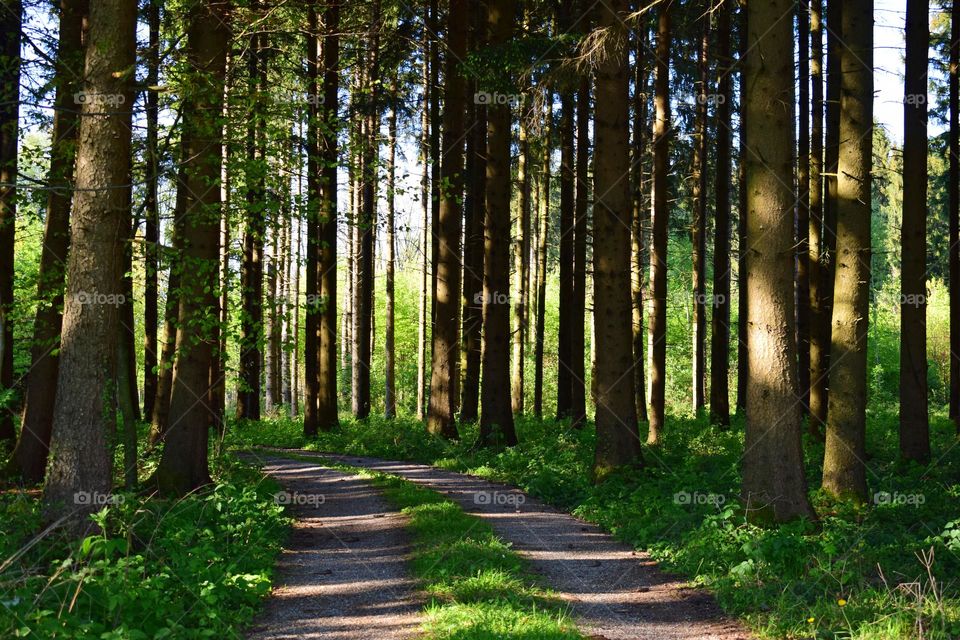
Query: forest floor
point(612, 591)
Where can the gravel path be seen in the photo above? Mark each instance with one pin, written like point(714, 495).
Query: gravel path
point(614, 591)
point(343, 574)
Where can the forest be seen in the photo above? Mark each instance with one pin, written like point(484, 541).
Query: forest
point(493, 319)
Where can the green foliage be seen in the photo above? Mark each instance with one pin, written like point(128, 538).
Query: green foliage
point(193, 568)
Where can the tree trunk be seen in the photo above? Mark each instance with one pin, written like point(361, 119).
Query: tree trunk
point(11, 26)
point(476, 175)
point(251, 271)
point(699, 223)
point(640, 217)
point(271, 392)
point(661, 212)
point(618, 442)
point(313, 308)
point(151, 212)
point(29, 458)
point(844, 467)
point(184, 465)
point(496, 417)
point(521, 264)
point(327, 414)
point(80, 467)
point(425, 231)
point(720, 319)
point(803, 208)
point(578, 392)
point(366, 224)
point(819, 321)
point(446, 342)
point(914, 421)
point(774, 487)
point(954, 213)
point(565, 353)
point(742, 355)
point(542, 265)
point(390, 392)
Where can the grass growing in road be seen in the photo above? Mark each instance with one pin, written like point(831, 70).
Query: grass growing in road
point(479, 587)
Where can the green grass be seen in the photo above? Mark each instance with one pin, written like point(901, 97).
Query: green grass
point(192, 568)
point(479, 587)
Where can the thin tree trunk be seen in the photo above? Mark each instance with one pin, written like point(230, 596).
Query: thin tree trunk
point(720, 320)
point(327, 414)
point(844, 467)
point(803, 209)
point(914, 420)
point(496, 417)
point(390, 395)
point(640, 216)
point(774, 486)
point(11, 16)
point(184, 465)
point(29, 458)
point(819, 322)
point(542, 265)
point(425, 231)
point(446, 342)
point(578, 391)
point(699, 223)
point(80, 452)
point(251, 273)
point(313, 308)
point(618, 442)
point(661, 211)
point(565, 353)
point(151, 211)
point(271, 393)
point(954, 213)
point(743, 358)
point(521, 265)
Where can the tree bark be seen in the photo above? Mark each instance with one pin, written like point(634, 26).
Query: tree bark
point(184, 466)
point(914, 420)
point(565, 353)
point(819, 321)
point(618, 441)
point(151, 212)
point(425, 231)
point(496, 417)
point(699, 223)
point(10, 26)
point(578, 393)
point(641, 217)
point(446, 331)
point(774, 487)
point(29, 458)
point(83, 423)
point(720, 319)
point(251, 272)
point(390, 391)
point(954, 213)
point(521, 264)
point(544, 225)
point(803, 208)
point(661, 212)
point(742, 355)
point(327, 414)
point(844, 467)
